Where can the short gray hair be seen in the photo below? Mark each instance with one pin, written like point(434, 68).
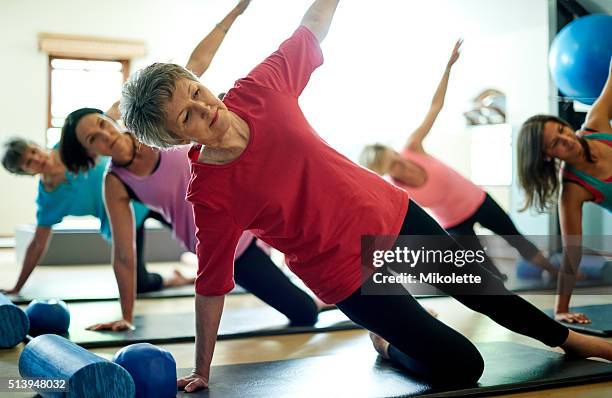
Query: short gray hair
point(144, 99)
point(12, 154)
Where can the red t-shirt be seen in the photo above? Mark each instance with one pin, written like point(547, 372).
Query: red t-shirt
point(289, 187)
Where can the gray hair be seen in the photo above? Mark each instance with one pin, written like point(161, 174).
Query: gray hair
point(144, 99)
point(12, 154)
point(373, 156)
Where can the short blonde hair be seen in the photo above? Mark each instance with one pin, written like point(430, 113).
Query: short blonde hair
point(373, 157)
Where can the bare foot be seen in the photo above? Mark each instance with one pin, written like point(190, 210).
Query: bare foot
point(178, 279)
point(431, 312)
point(189, 258)
point(584, 346)
point(380, 345)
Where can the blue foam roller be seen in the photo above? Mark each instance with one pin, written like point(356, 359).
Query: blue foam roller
point(527, 270)
point(143, 360)
point(593, 266)
point(53, 357)
point(48, 316)
point(14, 323)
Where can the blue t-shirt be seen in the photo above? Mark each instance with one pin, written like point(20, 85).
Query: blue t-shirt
point(80, 195)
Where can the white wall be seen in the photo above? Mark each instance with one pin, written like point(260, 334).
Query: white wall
point(383, 61)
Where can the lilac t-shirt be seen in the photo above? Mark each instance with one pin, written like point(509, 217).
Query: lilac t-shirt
point(164, 191)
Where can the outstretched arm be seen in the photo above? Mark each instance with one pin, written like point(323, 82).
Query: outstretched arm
point(570, 212)
point(600, 114)
point(117, 202)
point(205, 51)
point(415, 141)
point(34, 253)
point(319, 16)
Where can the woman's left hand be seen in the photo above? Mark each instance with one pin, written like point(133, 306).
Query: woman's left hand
point(455, 54)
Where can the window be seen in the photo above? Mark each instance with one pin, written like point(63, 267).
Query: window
point(76, 83)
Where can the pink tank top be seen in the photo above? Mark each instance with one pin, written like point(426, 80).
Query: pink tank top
point(449, 196)
point(164, 191)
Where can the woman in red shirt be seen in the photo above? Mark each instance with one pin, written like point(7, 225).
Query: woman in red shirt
point(258, 165)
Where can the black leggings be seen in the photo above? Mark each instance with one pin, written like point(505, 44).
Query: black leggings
point(256, 272)
point(491, 216)
point(425, 345)
point(146, 281)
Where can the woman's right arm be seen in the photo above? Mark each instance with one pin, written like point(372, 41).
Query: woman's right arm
point(573, 197)
point(117, 201)
point(600, 114)
point(34, 253)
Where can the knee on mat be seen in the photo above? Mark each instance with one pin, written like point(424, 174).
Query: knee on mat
point(307, 316)
point(151, 283)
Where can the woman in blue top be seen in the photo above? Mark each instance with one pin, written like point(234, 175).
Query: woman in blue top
point(547, 144)
point(62, 194)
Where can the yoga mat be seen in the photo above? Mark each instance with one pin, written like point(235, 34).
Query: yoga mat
point(601, 320)
point(180, 327)
point(86, 287)
point(509, 368)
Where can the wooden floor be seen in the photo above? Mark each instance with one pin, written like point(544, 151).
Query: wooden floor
point(475, 326)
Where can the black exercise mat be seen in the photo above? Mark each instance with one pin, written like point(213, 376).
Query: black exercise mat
point(509, 368)
point(174, 328)
point(601, 320)
point(526, 285)
point(84, 292)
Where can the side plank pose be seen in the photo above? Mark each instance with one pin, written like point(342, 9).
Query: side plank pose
point(62, 194)
point(159, 179)
point(456, 202)
point(260, 166)
point(548, 145)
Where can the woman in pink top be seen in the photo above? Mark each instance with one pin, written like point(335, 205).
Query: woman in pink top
point(455, 202)
point(258, 165)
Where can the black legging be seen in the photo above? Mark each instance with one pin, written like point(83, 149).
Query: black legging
point(425, 345)
point(255, 271)
point(146, 281)
point(491, 216)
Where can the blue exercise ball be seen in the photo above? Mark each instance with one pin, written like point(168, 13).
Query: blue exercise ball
point(152, 368)
point(579, 57)
point(48, 316)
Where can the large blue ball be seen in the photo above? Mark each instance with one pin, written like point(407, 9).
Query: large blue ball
point(48, 316)
point(152, 368)
point(579, 57)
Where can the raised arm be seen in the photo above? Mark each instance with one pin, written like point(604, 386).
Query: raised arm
point(34, 253)
point(117, 201)
point(205, 51)
point(319, 16)
point(600, 114)
point(570, 212)
point(415, 141)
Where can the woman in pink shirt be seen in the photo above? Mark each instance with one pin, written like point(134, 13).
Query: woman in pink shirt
point(258, 165)
point(455, 202)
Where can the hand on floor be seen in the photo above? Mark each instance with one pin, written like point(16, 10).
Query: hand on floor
point(191, 383)
point(10, 291)
point(115, 326)
point(572, 317)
